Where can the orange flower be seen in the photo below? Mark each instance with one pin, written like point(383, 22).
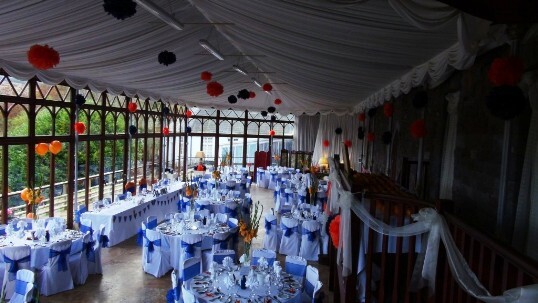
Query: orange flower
point(39, 199)
point(25, 194)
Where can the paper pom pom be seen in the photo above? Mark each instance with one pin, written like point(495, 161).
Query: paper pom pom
point(243, 94)
point(214, 89)
point(420, 99)
point(252, 95)
point(263, 113)
point(55, 147)
point(271, 109)
point(132, 107)
point(273, 118)
point(372, 112)
point(371, 137)
point(166, 111)
point(133, 130)
point(166, 131)
point(362, 117)
point(506, 102)
point(506, 71)
point(272, 133)
point(326, 143)
point(188, 129)
point(267, 87)
point(387, 137)
point(120, 9)
point(334, 231)
point(348, 143)
point(361, 133)
point(166, 58)
point(388, 109)
point(41, 149)
point(418, 129)
point(338, 131)
point(79, 99)
point(80, 127)
point(43, 57)
point(206, 76)
point(278, 101)
point(188, 113)
point(232, 99)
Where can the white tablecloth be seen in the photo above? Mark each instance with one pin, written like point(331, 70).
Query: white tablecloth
point(122, 220)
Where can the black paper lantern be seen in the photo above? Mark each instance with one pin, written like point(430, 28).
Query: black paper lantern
point(387, 137)
point(361, 133)
point(264, 113)
point(120, 9)
point(273, 118)
point(188, 129)
point(166, 58)
point(133, 130)
point(243, 94)
point(420, 99)
point(166, 111)
point(338, 131)
point(372, 112)
point(506, 102)
point(271, 109)
point(79, 99)
point(232, 99)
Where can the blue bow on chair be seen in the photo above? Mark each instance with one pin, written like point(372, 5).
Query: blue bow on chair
point(273, 177)
point(140, 236)
point(151, 247)
point(79, 212)
point(268, 225)
point(231, 212)
point(103, 240)
point(84, 229)
point(14, 265)
point(288, 195)
point(311, 234)
point(20, 287)
point(288, 231)
point(189, 248)
point(62, 261)
point(302, 199)
point(90, 251)
point(173, 295)
point(223, 244)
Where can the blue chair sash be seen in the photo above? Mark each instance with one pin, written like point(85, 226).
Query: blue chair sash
point(84, 229)
point(191, 271)
point(273, 177)
point(311, 234)
point(296, 269)
point(189, 248)
point(152, 224)
point(14, 265)
point(202, 206)
point(268, 225)
point(184, 205)
point(151, 247)
point(90, 251)
point(140, 236)
point(288, 196)
point(174, 294)
point(62, 260)
point(103, 240)
point(243, 186)
point(288, 231)
point(79, 212)
point(309, 289)
point(231, 224)
point(231, 212)
point(20, 287)
point(302, 199)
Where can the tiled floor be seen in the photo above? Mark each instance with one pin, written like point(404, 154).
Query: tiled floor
point(123, 279)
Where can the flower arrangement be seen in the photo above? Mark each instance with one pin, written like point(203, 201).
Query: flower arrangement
point(32, 196)
point(216, 175)
point(10, 212)
point(249, 231)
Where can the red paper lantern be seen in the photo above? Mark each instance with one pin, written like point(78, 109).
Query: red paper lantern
point(334, 231)
point(267, 87)
point(362, 117)
point(80, 127)
point(188, 113)
point(252, 95)
point(41, 149)
point(166, 131)
point(214, 89)
point(43, 56)
point(371, 137)
point(132, 107)
point(348, 143)
point(272, 132)
point(326, 143)
point(418, 129)
point(388, 109)
point(206, 76)
point(278, 101)
point(506, 71)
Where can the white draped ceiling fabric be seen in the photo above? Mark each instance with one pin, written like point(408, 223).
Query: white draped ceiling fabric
point(320, 56)
point(305, 131)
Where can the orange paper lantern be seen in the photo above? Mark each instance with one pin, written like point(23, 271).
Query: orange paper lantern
point(41, 149)
point(30, 215)
point(55, 147)
point(25, 194)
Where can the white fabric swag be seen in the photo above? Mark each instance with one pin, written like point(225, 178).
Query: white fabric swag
point(447, 168)
point(305, 132)
point(429, 222)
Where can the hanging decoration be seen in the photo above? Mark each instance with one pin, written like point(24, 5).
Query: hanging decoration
point(348, 143)
point(188, 113)
point(55, 147)
point(271, 109)
point(188, 129)
point(420, 99)
point(326, 143)
point(252, 95)
point(132, 107)
point(80, 127)
point(166, 131)
point(387, 137)
point(372, 112)
point(278, 101)
point(214, 89)
point(166, 111)
point(232, 99)
point(272, 132)
point(334, 230)
point(43, 57)
point(41, 149)
point(273, 118)
point(418, 129)
point(120, 9)
point(79, 99)
point(243, 94)
point(267, 87)
point(133, 130)
point(506, 71)
point(263, 113)
point(371, 137)
point(361, 133)
point(206, 76)
point(338, 131)
point(362, 117)
point(506, 102)
point(388, 109)
point(166, 58)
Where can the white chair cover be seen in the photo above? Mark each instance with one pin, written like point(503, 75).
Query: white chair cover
point(269, 255)
point(222, 218)
point(86, 226)
point(290, 196)
point(323, 233)
point(202, 204)
point(191, 247)
point(94, 264)
point(24, 286)
point(154, 261)
point(151, 222)
point(230, 185)
point(14, 257)
point(271, 241)
point(55, 276)
point(289, 243)
point(218, 256)
point(191, 268)
point(176, 287)
point(272, 179)
point(312, 284)
point(187, 296)
point(296, 266)
point(310, 240)
point(233, 224)
point(231, 209)
point(78, 262)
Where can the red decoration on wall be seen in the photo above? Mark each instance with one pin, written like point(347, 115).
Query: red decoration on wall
point(80, 127)
point(272, 132)
point(214, 89)
point(43, 56)
point(166, 131)
point(278, 101)
point(388, 109)
point(206, 76)
point(418, 129)
point(326, 143)
point(267, 87)
point(348, 143)
point(371, 137)
point(252, 95)
point(132, 107)
point(188, 113)
point(506, 71)
point(362, 117)
point(334, 231)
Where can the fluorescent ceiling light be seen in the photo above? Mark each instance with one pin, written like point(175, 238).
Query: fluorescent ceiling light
point(240, 70)
point(160, 13)
point(256, 82)
point(205, 44)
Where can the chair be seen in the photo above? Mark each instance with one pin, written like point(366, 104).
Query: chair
point(55, 276)
point(191, 247)
point(15, 258)
point(78, 261)
point(154, 261)
point(310, 240)
point(201, 214)
point(94, 263)
point(296, 266)
point(141, 233)
point(230, 185)
point(269, 255)
point(202, 204)
point(24, 286)
point(86, 226)
point(312, 285)
point(272, 180)
point(78, 213)
point(270, 241)
point(289, 196)
point(222, 218)
point(191, 268)
point(187, 296)
point(230, 209)
point(221, 241)
point(174, 295)
point(233, 224)
point(218, 256)
point(151, 222)
point(185, 204)
point(289, 243)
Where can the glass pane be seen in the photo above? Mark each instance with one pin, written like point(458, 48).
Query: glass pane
point(63, 123)
point(196, 126)
point(289, 128)
point(17, 120)
point(43, 122)
point(60, 181)
point(224, 149)
point(252, 147)
point(237, 152)
point(225, 127)
point(95, 123)
point(238, 128)
point(209, 126)
point(120, 124)
point(209, 150)
point(252, 128)
point(17, 179)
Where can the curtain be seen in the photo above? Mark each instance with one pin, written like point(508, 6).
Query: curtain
point(327, 131)
point(305, 132)
point(447, 168)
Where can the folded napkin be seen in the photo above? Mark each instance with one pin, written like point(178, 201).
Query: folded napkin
point(276, 264)
point(21, 224)
point(262, 262)
point(243, 259)
point(228, 262)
